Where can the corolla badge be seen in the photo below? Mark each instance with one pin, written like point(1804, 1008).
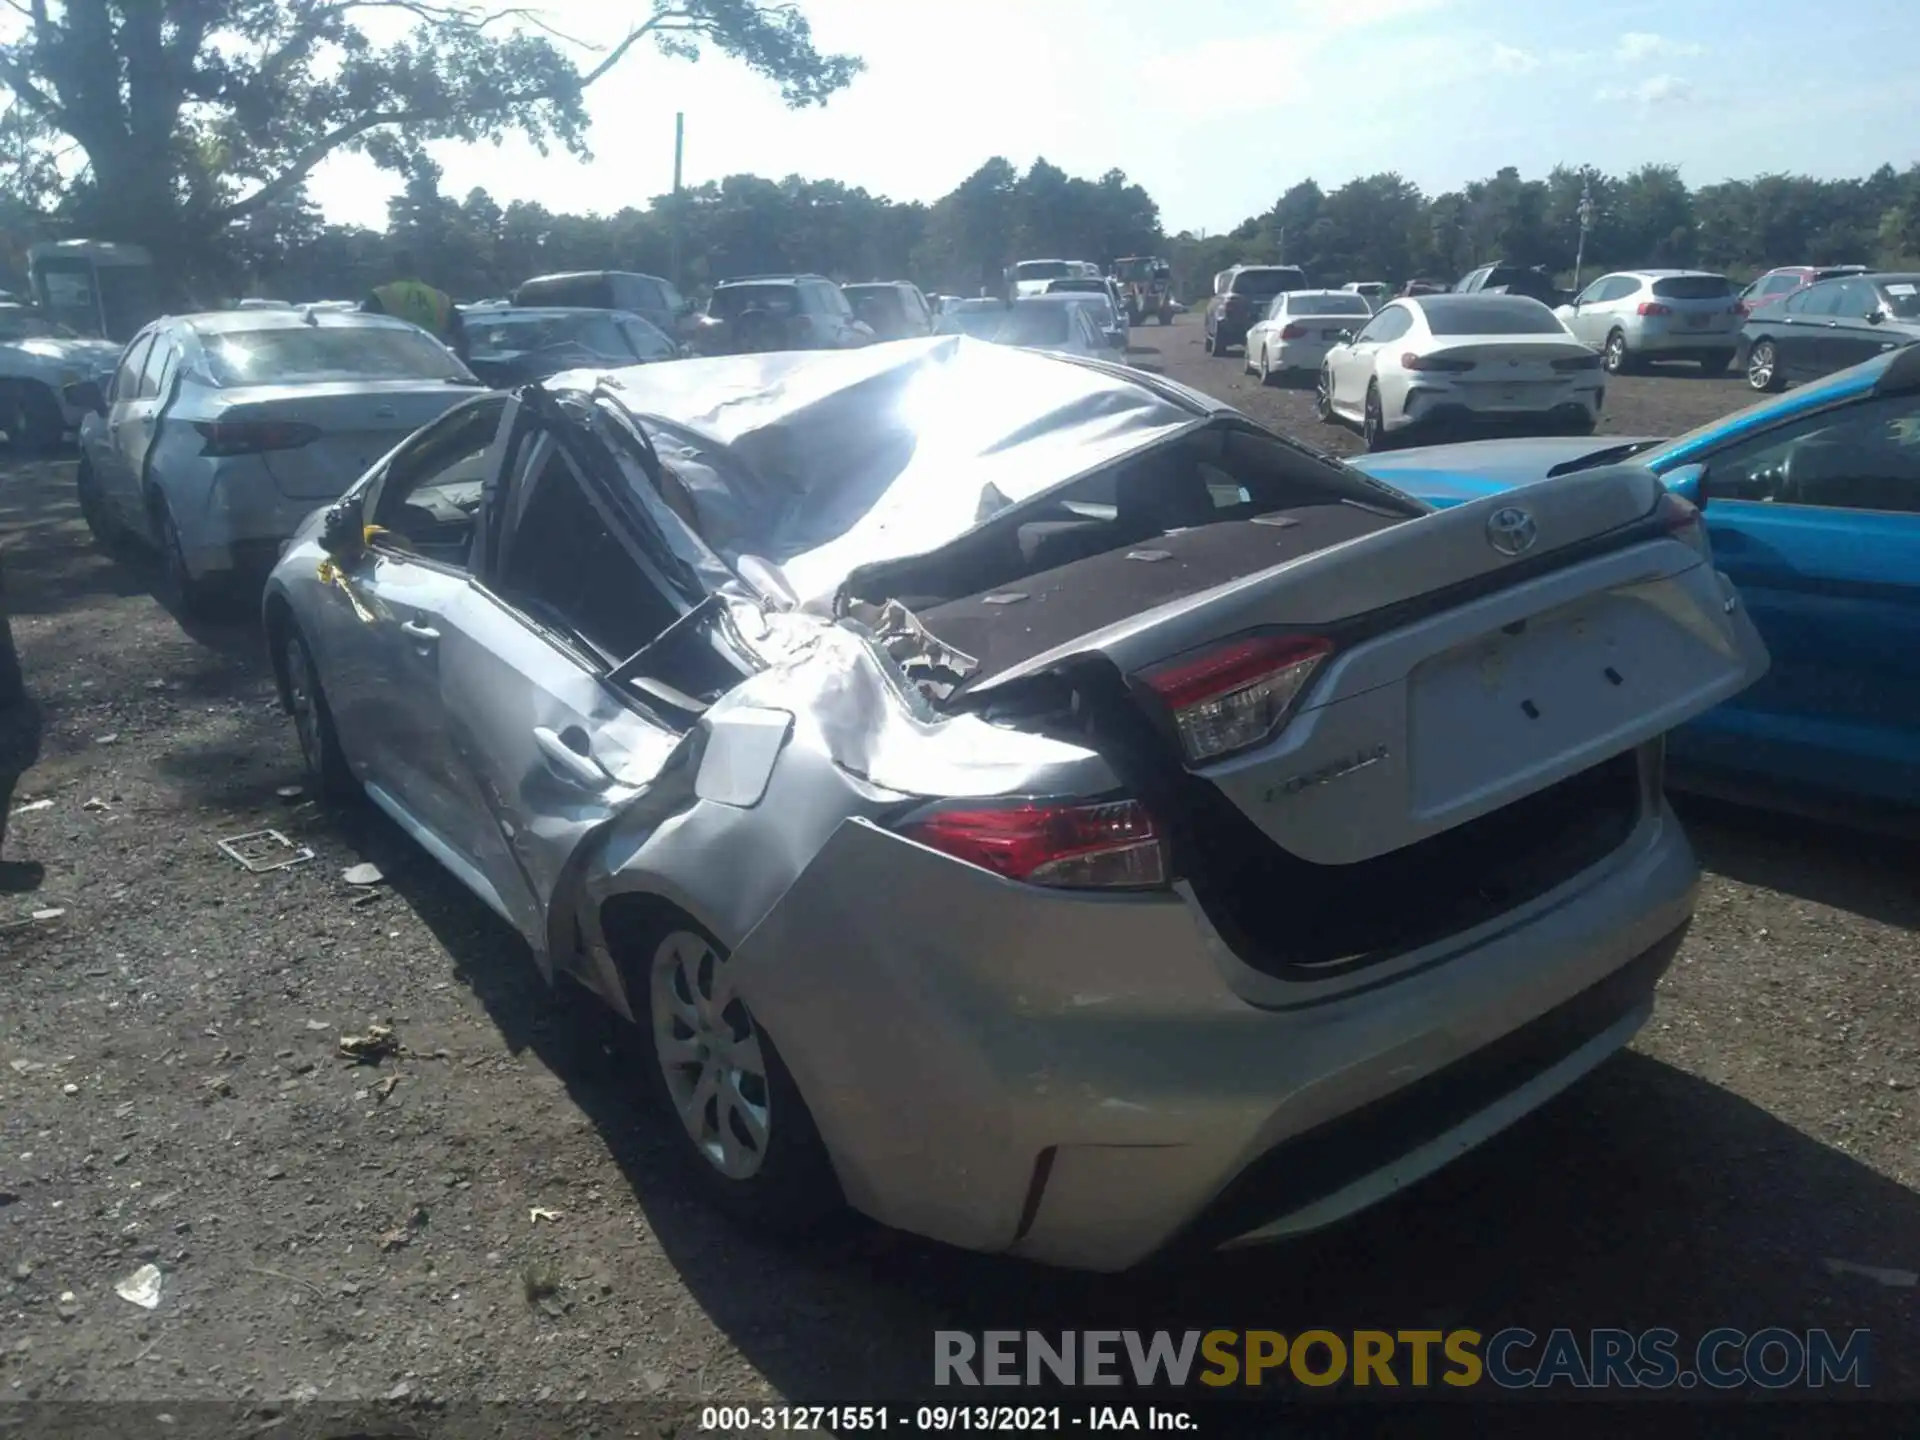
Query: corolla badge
point(1511, 530)
point(1338, 769)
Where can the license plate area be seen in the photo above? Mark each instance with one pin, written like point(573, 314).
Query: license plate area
point(1542, 691)
point(1699, 322)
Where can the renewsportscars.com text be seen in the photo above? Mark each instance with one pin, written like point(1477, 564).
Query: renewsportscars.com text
point(1511, 1359)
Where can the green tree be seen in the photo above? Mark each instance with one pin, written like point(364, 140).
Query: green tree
point(193, 115)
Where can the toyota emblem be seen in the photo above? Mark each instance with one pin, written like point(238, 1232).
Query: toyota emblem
point(1511, 530)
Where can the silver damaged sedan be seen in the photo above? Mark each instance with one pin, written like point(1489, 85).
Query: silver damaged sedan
point(1019, 797)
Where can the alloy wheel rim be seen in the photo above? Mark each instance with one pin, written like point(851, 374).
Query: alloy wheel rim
point(1373, 422)
point(1616, 352)
point(1760, 367)
point(709, 1051)
point(1323, 395)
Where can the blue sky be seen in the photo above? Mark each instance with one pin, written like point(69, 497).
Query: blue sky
point(1217, 106)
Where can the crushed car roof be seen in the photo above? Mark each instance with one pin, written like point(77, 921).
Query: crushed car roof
point(820, 462)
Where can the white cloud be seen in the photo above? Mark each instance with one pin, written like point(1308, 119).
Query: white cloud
point(1654, 90)
point(1514, 61)
point(1638, 45)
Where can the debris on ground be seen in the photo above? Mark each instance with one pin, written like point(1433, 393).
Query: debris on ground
point(320, 1025)
point(290, 792)
point(93, 802)
point(537, 1213)
point(371, 1048)
point(108, 739)
point(32, 806)
point(67, 1306)
point(52, 912)
point(385, 1088)
point(1892, 1279)
point(539, 1282)
point(260, 851)
point(363, 874)
point(141, 1288)
point(396, 1239)
point(69, 1089)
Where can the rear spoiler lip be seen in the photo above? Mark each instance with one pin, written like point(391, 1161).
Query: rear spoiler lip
point(1350, 630)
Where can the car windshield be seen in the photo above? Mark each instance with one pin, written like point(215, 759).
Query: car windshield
point(506, 334)
point(312, 355)
point(1328, 305)
point(1694, 287)
point(1488, 315)
point(1903, 298)
point(23, 325)
point(1078, 285)
point(1020, 325)
point(882, 301)
point(1264, 284)
point(732, 300)
point(1042, 270)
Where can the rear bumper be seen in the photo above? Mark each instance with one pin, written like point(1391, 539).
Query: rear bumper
point(230, 516)
point(1299, 354)
point(1440, 407)
point(1080, 1080)
point(1680, 343)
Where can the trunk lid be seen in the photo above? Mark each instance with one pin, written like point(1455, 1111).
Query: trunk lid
point(1461, 678)
point(355, 423)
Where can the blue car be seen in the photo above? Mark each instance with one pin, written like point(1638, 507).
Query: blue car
point(1812, 504)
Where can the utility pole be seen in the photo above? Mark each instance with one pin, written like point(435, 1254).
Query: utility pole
point(679, 150)
point(1587, 211)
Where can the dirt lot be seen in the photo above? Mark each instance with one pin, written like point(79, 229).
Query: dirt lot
point(171, 1094)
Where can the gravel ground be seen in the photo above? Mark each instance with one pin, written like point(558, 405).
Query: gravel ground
point(488, 1215)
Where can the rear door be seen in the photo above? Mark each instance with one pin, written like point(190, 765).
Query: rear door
point(552, 748)
point(1354, 369)
point(148, 412)
point(1818, 524)
point(1801, 340)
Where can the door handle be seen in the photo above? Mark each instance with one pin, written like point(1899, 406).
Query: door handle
point(420, 633)
point(582, 770)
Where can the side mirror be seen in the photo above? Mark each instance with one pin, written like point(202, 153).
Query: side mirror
point(85, 395)
point(1689, 482)
point(1876, 316)
point(343, 533)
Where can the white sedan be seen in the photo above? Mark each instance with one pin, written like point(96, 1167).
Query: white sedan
point(1436, 360)
point(1299, 328)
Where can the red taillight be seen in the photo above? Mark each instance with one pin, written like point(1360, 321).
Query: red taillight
point(1294, 332)
point(1238, 694)
point(1654, 307)
point(1411, 361)
point(1739, 307)
point(1106, 846)
point(251, 437)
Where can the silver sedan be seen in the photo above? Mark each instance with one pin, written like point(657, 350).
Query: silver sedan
point(218, 433)
point(1019, 797)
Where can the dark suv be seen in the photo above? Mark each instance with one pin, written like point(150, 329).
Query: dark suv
point(1242, 299)
point(892, 309)
point(755, 313)
point(1531, 281)
point(647, 296)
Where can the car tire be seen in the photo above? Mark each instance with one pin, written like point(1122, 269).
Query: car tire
point(1165, 317)
point(1323, 398)
point(1265, 368)
point(1716, 363)
point(1208, 342)
point(179, 591)
point(31, 416)
point(320, 752)
point(781, 1182)
point(1763, 368)
point(106, 531)
point(1615, 358)
point(1373, 425)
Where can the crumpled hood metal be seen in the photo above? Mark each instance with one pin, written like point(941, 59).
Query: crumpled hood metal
point(820, 462)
